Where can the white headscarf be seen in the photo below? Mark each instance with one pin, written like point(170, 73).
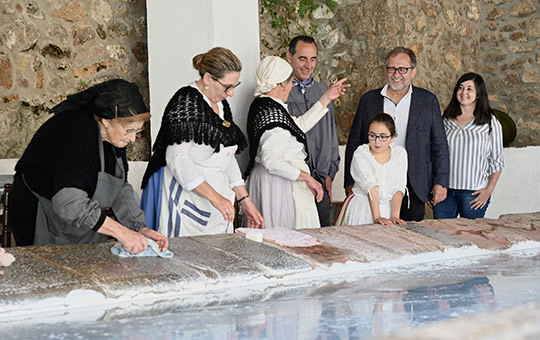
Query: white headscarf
point(270, 72)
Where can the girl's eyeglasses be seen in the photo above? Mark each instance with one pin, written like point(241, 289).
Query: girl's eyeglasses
point(383, 138)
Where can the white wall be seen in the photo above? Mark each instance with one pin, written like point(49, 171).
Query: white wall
point(172, 43)
point(518, 188)
point(7, 166)
point(179, 30)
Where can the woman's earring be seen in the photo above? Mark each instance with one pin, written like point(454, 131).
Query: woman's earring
point(206, 87)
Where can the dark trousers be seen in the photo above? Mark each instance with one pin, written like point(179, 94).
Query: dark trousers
point(412, 207)
point(323, 208)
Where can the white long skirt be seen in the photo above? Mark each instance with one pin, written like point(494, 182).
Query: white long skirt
point(355, 210)
point(282, 202)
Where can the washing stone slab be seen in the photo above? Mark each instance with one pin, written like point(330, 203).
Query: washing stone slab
point(30, 279)
point(207, 270)
point(117, 276)
point(527, 231)
point(345, 248)
point(510, 234)
point(272, 260)
point(400, 240)
point(323, 255)
point(212, 263)
point(467, 230)
point(448, 240)
point(535, 214)
point(530, 219)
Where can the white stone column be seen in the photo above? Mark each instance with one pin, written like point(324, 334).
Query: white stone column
point(178, 30)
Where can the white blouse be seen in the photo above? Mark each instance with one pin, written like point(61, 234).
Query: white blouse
point(390, 177)
point(180, 159)
point(278, 148)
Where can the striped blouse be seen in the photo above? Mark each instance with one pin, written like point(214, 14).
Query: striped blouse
point(475, 153)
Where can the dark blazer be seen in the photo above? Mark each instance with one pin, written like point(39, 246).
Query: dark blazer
point(426, 144)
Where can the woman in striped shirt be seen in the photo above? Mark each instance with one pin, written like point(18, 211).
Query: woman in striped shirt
point(475, 142)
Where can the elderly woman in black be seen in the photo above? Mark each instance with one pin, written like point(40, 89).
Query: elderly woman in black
point(71, 182)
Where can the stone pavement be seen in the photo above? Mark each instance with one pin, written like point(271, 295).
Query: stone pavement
point(519, 322)
point(46, 277)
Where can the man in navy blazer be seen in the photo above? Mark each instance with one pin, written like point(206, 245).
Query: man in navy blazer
point(419, 128)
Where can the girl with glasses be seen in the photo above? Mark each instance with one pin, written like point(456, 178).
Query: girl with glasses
point(379, 170)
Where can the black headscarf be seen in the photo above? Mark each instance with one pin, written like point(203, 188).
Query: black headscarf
point(111, 99)
point(68, 142)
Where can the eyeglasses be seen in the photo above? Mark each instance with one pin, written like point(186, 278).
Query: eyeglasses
point(228, 88)
point(373, 137)
point(132, 131)
point(400, 70)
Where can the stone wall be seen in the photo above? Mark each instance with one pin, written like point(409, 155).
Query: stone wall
point(50, 49)
point(498, 39)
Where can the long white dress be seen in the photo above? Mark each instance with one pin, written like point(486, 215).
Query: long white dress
point(367, 173)
point(183, 211)
point(282, 200)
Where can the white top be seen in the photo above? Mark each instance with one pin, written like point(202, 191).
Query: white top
point(475, 153)
point(399, 112)
point(180, 159)
point(390, 177)
point(278, 147)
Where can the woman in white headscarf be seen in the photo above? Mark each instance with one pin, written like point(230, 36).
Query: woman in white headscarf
point(280, 184)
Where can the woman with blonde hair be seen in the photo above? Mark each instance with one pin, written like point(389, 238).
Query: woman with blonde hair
point(193, 178)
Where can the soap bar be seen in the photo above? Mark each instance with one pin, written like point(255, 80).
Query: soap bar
point(254, 235)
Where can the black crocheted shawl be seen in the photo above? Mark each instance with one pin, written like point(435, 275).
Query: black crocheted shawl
point(188, 117)
point(68, 142)
point(265, 114)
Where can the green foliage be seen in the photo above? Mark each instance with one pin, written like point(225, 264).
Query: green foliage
point(290, 16)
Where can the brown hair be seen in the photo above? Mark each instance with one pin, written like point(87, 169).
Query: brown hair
point(303, 38)
point(217, 62)
point(385, 119)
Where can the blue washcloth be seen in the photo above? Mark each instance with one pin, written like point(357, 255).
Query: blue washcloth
point(151, 250)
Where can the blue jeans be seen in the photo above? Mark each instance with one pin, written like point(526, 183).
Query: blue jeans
point(457, 202)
